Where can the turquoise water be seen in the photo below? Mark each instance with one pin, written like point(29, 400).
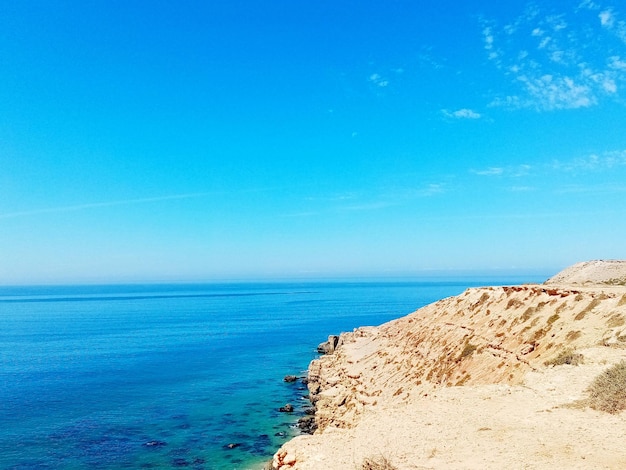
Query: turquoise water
point(167, 376)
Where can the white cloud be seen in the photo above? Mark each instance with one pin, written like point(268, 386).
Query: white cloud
point(544, 42)
point(463, 113)
point(431, 190)
point(593, 162)
point(98, 205)
point(549, 93)
point(554, 63)
point(378, 80)
point(557, 56)
point(616, 63)
point(589, 5)
point(488, 41)
point(609, 86)
point(488, 38)
point(510, 171)
point(606, 19)
point(492, 171)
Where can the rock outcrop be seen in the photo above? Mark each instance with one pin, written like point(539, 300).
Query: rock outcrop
point(379, 389)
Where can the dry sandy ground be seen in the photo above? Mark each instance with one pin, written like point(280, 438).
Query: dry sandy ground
point(463, 383)
point(483, 427)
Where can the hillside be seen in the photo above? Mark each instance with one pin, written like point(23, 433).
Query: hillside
point(598, 272)
point(481, 380)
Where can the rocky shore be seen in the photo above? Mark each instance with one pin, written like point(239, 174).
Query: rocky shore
point(497, 377)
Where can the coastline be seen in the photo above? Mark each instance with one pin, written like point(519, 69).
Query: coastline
point(470, 382)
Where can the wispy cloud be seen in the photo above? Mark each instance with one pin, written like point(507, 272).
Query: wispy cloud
point(426, 59)
point(493, 171)
point(554, 63)
point(340, 197)
point(611, 22)
point(96, 205)
point(463, 113)
point(592, 189)
point(514, 171)
point(593, 162)
point(378, 80)
point(367, 206)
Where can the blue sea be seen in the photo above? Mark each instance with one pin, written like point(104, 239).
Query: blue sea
point(173, 376)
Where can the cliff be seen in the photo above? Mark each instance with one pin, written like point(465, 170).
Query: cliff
point(486, 379)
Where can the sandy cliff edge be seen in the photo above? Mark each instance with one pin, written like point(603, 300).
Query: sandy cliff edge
point(471, 382)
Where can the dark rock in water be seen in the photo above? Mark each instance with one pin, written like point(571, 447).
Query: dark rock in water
point(309, 411)
point(180, 463)
point(155, 444)
point(198, 461)
point(307, 424)
point(305, 380)
point(306, 397)
point(288, 408)
point(233, 445)
point(281, 434)
point(329, 347)
point(290, 378)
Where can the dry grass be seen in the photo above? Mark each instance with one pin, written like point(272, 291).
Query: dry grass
point(615, 321)
point(567, 356)
point(572, 335)
point(593, 304)
point(468, 350)
point(377, 463)
point(553, 318)
point(608, 391)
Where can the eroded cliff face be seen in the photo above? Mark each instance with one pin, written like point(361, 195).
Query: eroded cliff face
point(491, 335)
point(486, 335)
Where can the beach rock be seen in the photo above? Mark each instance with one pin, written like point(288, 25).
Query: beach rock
point(290, 378)
point(233, 445)
point(329, 347)
point(307, 424)
point(288, 408)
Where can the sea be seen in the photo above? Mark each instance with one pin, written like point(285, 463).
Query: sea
point(175, 375)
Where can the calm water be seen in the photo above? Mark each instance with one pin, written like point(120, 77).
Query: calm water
point(166, 376)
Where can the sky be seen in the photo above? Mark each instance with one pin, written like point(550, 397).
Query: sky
point(207, 140)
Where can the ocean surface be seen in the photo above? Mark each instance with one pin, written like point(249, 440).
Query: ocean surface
point(170, 376)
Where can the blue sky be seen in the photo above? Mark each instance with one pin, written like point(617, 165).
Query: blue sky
point(192, 141)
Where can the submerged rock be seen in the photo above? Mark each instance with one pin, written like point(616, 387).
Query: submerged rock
point(155, 444)
point(290, 378)
point(288, 408)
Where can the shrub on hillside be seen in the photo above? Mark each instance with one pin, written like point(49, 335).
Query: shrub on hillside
point(567, 356)
point(378, 463)
point(608, 391)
